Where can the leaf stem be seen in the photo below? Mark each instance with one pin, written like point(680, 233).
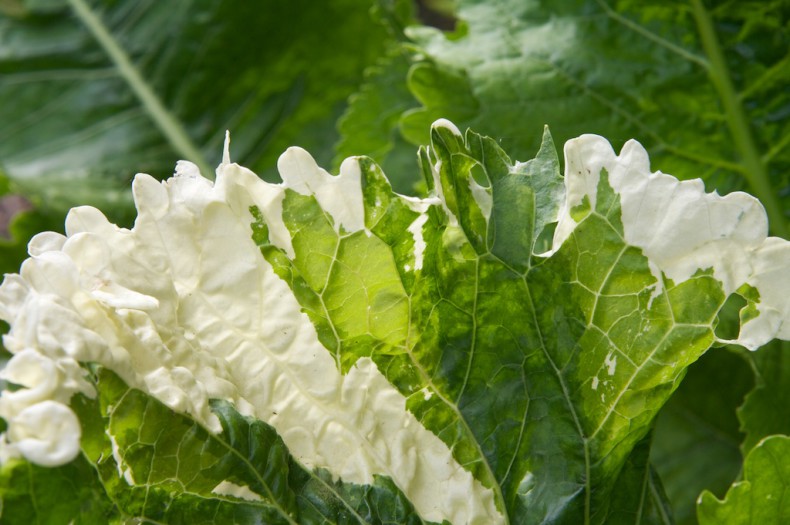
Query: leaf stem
point(754, 170)
point(663, 42)
point(167, 123)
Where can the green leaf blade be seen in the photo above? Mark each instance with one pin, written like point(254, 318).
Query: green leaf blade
point(587, 321)
point(762, 495)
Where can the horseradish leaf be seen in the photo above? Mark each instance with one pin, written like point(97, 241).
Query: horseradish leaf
point(326, 350)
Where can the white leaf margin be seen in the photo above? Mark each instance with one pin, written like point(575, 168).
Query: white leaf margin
point(682, 229)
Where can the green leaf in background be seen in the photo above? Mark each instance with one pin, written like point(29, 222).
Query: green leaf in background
point(647, 504)
point(696, 439)
point(92, 91)
point(762, 496)
point(705, 90)
point(766, 410)
point(380, 102)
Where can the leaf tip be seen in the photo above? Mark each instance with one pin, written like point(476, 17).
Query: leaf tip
point(443, 123)
point(226, 148)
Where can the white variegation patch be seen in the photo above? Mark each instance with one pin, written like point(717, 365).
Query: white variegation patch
point(228, 488)
point(340, 196)
point(682, 229)
point(415, 228)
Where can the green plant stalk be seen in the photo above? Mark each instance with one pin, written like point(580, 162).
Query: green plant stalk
point(754, 170)
point(663, 42)
point(170, 127)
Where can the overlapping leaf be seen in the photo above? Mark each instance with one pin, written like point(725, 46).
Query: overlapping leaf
point(542, 375)
point(74, 128)
point(161, 467)
point(155, 466)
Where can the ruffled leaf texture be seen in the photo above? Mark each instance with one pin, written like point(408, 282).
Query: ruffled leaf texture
point(326, 350)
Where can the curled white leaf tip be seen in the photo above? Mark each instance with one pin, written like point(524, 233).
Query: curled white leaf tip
point(45, 242)
point(46, 433)
point(33, 371)
point(446, 124)
point(340, 196)
point(116, 296)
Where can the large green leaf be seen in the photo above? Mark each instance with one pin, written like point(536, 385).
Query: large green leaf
point(536, 374)
point(92, 91)
point(761, 497)
point(703, 88)
point(326, 350)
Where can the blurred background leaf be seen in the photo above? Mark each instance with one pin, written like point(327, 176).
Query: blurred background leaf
point(760, 497)
point(93, 91)
point(623, 69)
point(74, 130)
point(697, 438)
point(766, 410)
